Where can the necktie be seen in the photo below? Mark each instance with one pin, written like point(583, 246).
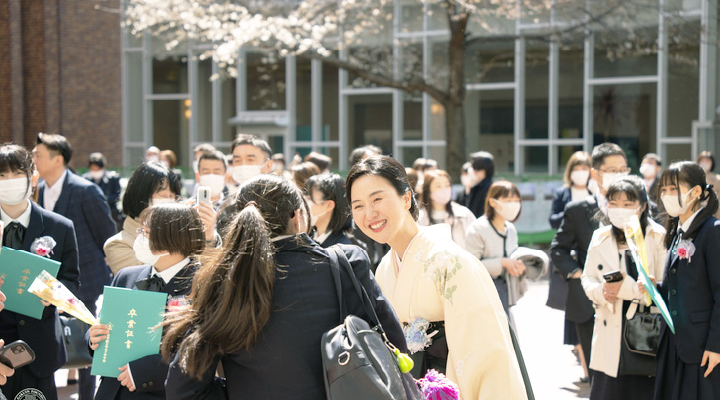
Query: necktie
point(13, 235)
point(153, 284)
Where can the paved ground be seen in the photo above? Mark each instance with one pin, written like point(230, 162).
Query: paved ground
point(553, 368)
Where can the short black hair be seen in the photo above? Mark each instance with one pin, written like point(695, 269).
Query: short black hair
point(97, 159)
point(359, 153)
point(57, 144)
point(252, 140)
point(204, 147)
point(213, 155)
point(387, 168)
point(321, 160)
point(603, 151)
point(654, 157)
point(150, 178)
point(332, 187)
point(483, 160)
point(14, 157)
point(175, 228)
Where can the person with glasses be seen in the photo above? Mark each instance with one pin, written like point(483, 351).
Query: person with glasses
point(152, 183)
point(168, 245)
point(569, 247)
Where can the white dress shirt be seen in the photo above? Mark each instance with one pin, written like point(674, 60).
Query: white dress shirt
point(23, 219)
point(52, 193)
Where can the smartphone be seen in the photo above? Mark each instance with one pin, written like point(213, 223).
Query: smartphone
point(17, 354)
point(203, 194)
point(614, 276)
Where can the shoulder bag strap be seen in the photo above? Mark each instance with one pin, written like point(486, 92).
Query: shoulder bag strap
point(521, 364)
point(359, 289)
point(335, 271)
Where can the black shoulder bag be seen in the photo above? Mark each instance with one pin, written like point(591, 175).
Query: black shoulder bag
point(358, 359)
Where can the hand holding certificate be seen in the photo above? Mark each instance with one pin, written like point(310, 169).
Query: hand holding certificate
point(636, 242)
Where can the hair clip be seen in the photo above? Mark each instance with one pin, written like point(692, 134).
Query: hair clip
point(250, 204)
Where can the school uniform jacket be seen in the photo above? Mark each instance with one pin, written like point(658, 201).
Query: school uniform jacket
point(44, 335)
point(149, 373)
point(691, 289)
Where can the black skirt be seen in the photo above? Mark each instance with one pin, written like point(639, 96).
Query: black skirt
point(677, 380)
point(631, 387)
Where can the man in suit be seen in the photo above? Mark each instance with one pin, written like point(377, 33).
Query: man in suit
point(83, 203)
point(24, 222)
point(581, 219)
point(650, 169)
point(482, 171)
point(176, 233)
point(107, 181)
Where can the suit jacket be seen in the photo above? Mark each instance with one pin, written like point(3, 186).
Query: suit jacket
point(285, 363)
point(84, 204)
point(110, 186)
point(149, 372)
point(476, 197)
point(691, 289)
point(45, 335)
point(575, 233)
point(335, 237)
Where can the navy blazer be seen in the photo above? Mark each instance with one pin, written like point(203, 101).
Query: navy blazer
point(692, 292)
point(45, 335)
point(575, 233)
point(149, 372)
point(285, 362)
point(84, 203)
point(475, 200)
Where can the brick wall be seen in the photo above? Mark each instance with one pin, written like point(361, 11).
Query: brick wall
point(70, 66)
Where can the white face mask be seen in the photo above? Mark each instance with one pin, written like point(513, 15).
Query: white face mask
point(509, 210)
point(163, 200)
point(620, 217)
point(241, 173)
point(141, 246)
point(648, 171)
point(609, 178)
point(672, 204)
point(14, 191)
point(97, 175)
point(580, 177)
point(466, 180)
point(196, 166)
point(314, 218)
point(215, 182)
point(442, 196)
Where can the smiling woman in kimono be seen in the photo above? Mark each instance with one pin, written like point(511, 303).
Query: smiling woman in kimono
point(428, 278)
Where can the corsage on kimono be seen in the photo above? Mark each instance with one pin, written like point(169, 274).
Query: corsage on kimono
point(416, 335)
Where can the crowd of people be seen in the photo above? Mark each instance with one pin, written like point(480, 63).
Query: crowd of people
point(251, 262)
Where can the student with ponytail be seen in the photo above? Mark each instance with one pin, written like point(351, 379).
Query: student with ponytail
point(263, 305)
point(688, 360)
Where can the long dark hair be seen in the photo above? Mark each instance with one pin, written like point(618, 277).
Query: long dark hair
point(691, 174)
point(332, 187)
point(428, 178)
point(387, 168)
point(634, 190)
point(149, 178)
point(232, 297)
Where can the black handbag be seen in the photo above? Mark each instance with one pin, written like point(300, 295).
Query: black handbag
point(78, 355)
point(357, 358)
point(639, 345)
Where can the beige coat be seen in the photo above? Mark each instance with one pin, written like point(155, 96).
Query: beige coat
point(603, 257)
point(439, 281)
point(462, 218)
point(119, 248)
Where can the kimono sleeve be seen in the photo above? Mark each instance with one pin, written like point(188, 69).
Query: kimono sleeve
point(481, 357)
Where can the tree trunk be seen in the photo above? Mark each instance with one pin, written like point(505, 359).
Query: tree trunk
point(456, 150)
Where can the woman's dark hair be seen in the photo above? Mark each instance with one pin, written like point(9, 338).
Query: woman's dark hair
point(232, 297)
point(15, 158)
point(498, 190)
point(97, 159)
point(175, 228)
point(303, 171)
point(634, 189)
point(320, 160)
point(170, 157)
point(426, 202)
point(332, 187)
point(578, 158)
point(150, 178)
point(690, 174)
point(709, 156)
point(387, 168)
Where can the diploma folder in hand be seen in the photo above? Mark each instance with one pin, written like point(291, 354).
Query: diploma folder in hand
point(131, 316)
point(18, 269)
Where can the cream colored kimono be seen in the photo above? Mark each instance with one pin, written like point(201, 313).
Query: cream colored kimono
point(437, 280)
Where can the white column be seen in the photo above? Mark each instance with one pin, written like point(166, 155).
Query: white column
point(553, 95)
point(588, 74)
point(519, 105)
point(662, 82)
point(290, 101)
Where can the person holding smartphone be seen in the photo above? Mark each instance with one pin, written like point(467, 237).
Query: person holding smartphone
point(609, 280)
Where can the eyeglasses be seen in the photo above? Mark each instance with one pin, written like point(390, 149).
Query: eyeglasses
point(624, 170)
point(142, 231)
